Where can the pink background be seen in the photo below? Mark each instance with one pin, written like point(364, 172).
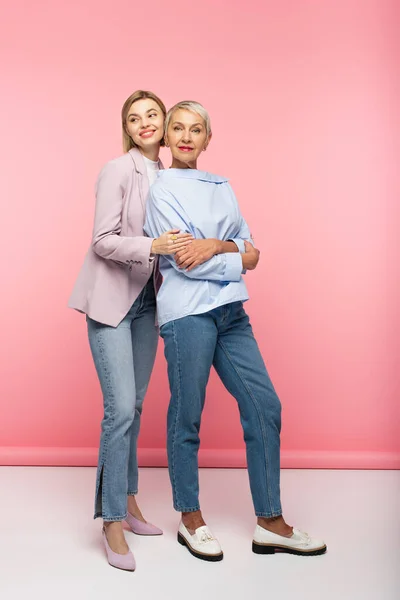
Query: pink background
point(304, 99)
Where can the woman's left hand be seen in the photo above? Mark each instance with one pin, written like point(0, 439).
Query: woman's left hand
point(196, 253)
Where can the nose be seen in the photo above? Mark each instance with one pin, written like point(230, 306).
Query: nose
point(145, 123)
point(186, 137)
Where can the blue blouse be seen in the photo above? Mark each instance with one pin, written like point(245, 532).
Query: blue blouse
point(205, 206)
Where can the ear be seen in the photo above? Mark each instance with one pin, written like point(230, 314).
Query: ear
point(207, 142)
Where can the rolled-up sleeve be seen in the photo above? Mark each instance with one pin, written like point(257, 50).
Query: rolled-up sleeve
point(222, 267)
point(233, 267)
point(239, 243)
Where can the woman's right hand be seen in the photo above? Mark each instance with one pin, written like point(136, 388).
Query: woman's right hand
point(170, 242)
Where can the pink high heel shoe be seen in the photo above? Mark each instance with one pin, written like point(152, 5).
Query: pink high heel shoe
point(125, 562)
point(141, 528)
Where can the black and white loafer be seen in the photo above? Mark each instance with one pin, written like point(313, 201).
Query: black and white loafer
point(202, 544)
point(300, 543)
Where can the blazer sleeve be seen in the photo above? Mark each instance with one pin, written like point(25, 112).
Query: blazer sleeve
point(107, 240)
point(162, 214)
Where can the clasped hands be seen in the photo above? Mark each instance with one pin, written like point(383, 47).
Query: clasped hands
point(197, 252)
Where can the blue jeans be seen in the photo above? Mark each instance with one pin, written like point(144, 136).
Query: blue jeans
point(124, 358)
point(221, 337)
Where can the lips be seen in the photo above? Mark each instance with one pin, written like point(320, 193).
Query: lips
point(146, 134)
point(185, 148)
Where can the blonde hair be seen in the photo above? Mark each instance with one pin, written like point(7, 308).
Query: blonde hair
point(193, 106)
point(127, 142)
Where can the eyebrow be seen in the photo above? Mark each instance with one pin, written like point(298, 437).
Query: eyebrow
point(194, 124)
point(147, 111)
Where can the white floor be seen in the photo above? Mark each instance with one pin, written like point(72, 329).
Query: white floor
point(51, 549)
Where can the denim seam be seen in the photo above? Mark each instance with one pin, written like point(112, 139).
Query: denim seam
point(103, 456)
point(174, 486)
point(145, 307)
point(135, 478)
point(264, 433)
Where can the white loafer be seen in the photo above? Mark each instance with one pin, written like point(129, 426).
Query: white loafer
point(202, 544)
point(266, 542)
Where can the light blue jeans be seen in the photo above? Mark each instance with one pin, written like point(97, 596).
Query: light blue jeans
point(221, 337)
point(124, 358)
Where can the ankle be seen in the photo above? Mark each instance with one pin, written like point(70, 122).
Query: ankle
point(113, 530)
point(193, 520)
point(115, 537)
point(276, 525)
point(133, 508)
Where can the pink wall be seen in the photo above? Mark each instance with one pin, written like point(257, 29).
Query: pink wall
point(304, 98)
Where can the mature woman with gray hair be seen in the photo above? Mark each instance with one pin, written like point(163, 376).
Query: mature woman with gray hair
point(203, 324)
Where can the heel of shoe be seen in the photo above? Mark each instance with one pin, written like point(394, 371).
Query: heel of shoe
point(181, 539)
point(260, 549)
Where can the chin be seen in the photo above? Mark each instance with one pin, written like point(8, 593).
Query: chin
point(185, 157)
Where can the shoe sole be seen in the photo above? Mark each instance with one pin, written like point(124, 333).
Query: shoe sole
point(207, 557)
point(122, 569)
point(146, 534)
point(267, 549)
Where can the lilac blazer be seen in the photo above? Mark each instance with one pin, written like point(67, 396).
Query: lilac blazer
point(118, 263)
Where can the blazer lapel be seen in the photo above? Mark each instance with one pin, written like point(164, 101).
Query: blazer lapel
point(140, 168)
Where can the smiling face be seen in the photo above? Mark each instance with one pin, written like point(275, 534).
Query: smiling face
point(187, 138)
point(145, 123)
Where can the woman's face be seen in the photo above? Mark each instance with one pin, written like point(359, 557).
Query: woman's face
point(186, 137)
point(145, 123)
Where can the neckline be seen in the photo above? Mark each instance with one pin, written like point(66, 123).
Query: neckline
point(151, 162)
point(193, 174)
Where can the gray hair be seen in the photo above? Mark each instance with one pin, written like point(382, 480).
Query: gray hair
point(193, 106)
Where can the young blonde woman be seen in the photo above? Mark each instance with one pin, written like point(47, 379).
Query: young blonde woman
point(203, 323)
point(116, 290)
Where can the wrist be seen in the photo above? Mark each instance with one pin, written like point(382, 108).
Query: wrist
point(219, 247)
point(153, 249)
point(229, 246)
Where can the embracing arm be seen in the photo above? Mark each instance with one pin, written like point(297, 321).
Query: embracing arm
point(107, 240)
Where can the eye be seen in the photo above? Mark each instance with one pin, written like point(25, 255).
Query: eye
point(153, 115)
point(196, 130)
point(132, 120)
point(177, 128)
